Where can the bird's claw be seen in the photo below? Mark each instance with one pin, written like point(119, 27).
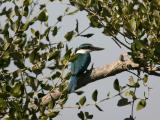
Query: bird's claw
point(90, 70)
point(92, 66)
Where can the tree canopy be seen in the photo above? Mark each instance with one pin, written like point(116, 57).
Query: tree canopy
point(27, 51)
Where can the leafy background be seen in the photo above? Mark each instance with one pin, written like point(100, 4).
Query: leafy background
point(35, 52)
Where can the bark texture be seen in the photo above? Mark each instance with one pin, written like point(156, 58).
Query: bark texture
point(94, 75)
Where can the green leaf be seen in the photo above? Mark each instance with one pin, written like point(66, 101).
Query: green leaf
point(59, 18)
point(44, 117)
point(46, 86)
point(4, 95)
point(33, 31)
point(130, 118)
point(40, 95)
point(17, 90)
point(52, 114)
point(109, 30)
point(14, 25)
point(46, 33)
point(52, 67)
point(31, 81)
point(27, 2)
point(82, 100)
point(68, 54)
point(132, 24)
point(77, 26)
point(81, 115)
point(88, 35)
point(42, 6)
point(56, 75)
point(94, 22)
point(37, 68)
point(33, 56)
point(5, 30)
point(106, 12)
point(116, 85)
point(123, 102)
point(27, 24)
point(54, 55)
point(94, 95)
point(73, 57)
point(19, 64)
point(139, 45)
point(133, 83)
point(145, 79)
point(4, 63)
point(67, 77)
point(131, 93)
point(100, 109)
point(157, 50)
point(26, 11)
point(88, 116)
point(37, 34)
point(17, 10)
point(141, 104)
point(43, 16)
point(79, 92)
point(88, 3)
point(17, 41)
point(60, 45)
point(6, 55)
point(69, 35)
point(3, 104)
point(54, 31)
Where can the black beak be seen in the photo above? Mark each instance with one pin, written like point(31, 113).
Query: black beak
point(97, 48)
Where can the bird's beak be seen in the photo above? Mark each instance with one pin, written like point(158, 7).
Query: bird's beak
point(97, 48)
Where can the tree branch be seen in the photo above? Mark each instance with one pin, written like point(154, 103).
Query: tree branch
point(100, 73)
point(93, 75)
point(52, 95)
point(106, 71)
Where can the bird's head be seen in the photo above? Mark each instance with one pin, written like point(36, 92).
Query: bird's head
point(86, 47)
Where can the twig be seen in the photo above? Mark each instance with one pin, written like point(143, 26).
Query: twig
point(83, 31)
point(132, 107)
point(91, 104)
point(121, 42)
point(101, 19)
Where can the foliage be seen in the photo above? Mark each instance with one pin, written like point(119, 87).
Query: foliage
point(26, 54)
point(30, 52)
point(137, 21)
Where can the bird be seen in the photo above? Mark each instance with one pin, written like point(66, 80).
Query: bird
point(81, 63)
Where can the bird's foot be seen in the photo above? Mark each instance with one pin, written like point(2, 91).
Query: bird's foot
point(92, 66)
point(90, 70)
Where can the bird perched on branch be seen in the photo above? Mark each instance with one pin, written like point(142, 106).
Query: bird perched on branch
point(80, 65)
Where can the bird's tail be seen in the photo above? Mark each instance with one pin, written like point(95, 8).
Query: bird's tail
point(72, 84)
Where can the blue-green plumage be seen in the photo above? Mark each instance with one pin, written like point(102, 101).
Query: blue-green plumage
point(80, 65)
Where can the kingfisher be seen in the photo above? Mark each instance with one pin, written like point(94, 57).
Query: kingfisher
point(80, 65)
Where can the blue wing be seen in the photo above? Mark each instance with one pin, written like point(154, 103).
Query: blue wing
point(78, 67)
point(80, 64)
point(72, 84)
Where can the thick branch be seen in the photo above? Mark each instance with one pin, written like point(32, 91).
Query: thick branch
point(100, 73)
point(106, 71)
point(95, 74)
point(52, 95)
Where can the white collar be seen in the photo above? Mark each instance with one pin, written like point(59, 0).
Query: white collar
point(83, 51)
